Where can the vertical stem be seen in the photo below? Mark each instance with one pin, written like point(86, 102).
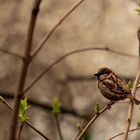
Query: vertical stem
point(24, 69)
point(20, 129)
point(139, 44)
point(58, 126)
point(131, 105)
point(130, 112)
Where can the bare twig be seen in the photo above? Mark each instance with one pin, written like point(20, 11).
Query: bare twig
point(40, 133)
point(24, 69)
point(46, 38)
point(121, 53)
point(139, 44)
point(129, 118)
point(79, 136)
point(20, 130)
point(71, 53)
point(58, 126)
point(130, 109)
point(45, 106)
point(138, 3)
point(27, 122)
point(11, 53)
point(132, 130)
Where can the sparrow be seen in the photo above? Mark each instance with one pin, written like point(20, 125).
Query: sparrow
point(112, 87)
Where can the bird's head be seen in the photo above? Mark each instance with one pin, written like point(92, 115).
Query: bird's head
point(102, 73)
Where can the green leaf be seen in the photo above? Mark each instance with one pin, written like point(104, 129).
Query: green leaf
point(56, 105)
point(129, 84)
point(138, 123)
point(138, 10)
point(87, 136)
point(97, 108)
point(1, 98)
point(23, 109)
point(78, 125)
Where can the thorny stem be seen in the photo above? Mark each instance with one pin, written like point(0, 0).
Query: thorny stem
point(24, 69)
point(79, 136)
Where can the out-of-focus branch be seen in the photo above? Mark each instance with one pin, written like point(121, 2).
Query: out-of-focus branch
point(131, 105)
point(11, 53)
point(46, 38)
point(44, 106)
point(58, 126)
point(69, 54)
point(20, 130)
point(139, 44)
point(35, 129)
point(132, 130)
point(24, 69)
point(79, 136)
point(26, 122)
point(80, 78)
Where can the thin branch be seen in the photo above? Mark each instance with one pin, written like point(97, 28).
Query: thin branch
point(79, 136)
point(46, 38)
point(20, 130)
point(130, 109)
point(11, 53)
point(138, 3)
point(132, 130)
point(129, 118)
point(138, 34)
point(27, 122)
point(71, 53)
point(121, 53)
point(44, 106)
point(35, 129)
point(58, 126)
point(24, 69)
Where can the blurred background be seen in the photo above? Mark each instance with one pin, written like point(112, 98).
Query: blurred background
point(95, 23)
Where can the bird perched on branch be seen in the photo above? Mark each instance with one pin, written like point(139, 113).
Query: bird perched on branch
point(112, 87)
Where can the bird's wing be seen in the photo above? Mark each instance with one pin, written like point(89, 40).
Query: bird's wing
point(118, 87)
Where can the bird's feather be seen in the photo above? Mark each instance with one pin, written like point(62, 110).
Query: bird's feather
point(116, 85)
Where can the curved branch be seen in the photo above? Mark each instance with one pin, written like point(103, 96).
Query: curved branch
point(46, 38)
point(123, 133)
point(12, 54)
point(79, 136)
point(71, 53)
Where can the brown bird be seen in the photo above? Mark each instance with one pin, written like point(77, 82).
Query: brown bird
point(112, 87)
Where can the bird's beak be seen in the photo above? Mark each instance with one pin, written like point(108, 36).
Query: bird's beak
point(96, 74)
